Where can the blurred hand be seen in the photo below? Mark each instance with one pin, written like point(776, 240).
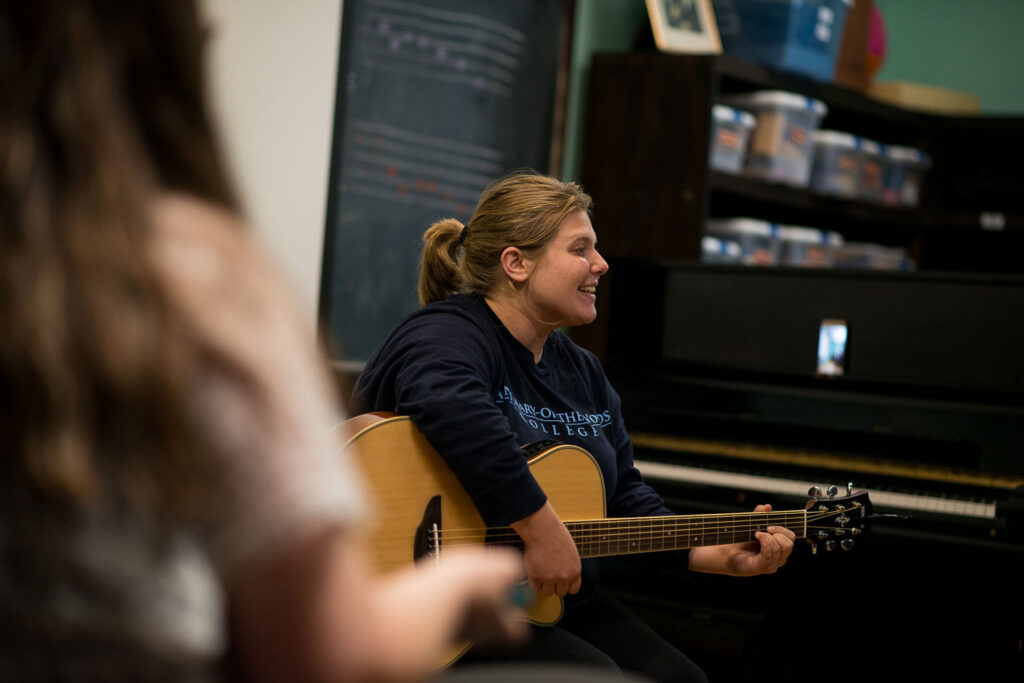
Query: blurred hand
point(489, 578)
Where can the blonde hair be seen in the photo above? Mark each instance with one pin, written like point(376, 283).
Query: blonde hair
point(523, 210)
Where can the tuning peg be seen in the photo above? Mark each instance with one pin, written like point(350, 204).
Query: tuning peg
point(846, 543)
point(814, 492)
point(849, 488)
point(830, 545)
point(814, 547)
point(832, 491)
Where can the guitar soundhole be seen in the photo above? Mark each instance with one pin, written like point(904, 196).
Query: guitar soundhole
point(536, 447)
point(423, 543)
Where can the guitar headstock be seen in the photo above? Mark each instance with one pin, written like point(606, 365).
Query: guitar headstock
point(836, 521)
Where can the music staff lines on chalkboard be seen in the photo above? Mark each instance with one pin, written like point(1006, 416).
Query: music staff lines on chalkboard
point(392, 186)
point(397, 174)
point(385, 131)
point(460, 208)
point(390, 163)
point(465, 49)
point(404, 164)
point(449, 18)
point(382, 145)
point(400, 31)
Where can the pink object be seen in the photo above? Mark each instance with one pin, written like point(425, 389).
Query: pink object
point(876, 41)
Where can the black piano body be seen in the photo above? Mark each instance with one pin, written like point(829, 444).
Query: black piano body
point(718, 372)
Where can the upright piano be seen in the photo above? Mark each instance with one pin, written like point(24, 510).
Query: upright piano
point(731, 403)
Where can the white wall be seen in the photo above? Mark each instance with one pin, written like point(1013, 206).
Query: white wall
point(273, 74)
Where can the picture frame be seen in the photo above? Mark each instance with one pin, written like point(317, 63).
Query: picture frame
point(684, 26)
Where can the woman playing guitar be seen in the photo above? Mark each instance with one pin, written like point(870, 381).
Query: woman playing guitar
point(483, 368)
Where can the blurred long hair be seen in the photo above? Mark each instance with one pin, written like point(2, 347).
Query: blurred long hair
point(103, 110)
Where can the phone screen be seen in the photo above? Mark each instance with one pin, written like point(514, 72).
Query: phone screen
point(832, 337)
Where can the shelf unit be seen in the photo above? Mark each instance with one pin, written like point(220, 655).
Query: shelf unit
point(646, 149)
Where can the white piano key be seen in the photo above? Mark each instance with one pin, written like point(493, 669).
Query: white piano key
point(749, 482)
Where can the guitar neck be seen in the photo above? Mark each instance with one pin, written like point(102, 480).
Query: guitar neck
point(606, 537)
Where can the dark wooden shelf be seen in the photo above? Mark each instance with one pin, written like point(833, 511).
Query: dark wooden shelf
point(645, 162)
point(781, 199)
point(809, 201)
point(739, 74)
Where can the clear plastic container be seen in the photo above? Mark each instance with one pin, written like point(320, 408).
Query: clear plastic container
point(780, 145)
point(872, 166)
point(808, 247)
point(903, 175)
point(758, 240)
point(836, 163)
point(872, 256)
point(720, 250)
point(799, 36)
point(730, 131)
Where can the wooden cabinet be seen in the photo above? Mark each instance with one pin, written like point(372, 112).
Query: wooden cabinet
point(645, 162)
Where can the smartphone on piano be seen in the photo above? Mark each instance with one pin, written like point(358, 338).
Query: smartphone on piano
point(832, 357)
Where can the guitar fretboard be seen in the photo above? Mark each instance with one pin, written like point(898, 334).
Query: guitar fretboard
point(606, 537)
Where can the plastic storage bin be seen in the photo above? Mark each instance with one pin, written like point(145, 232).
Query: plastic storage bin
point(808, 247)
point(903, 175)
point(720, 250)
point(872, 165)
point(836, 163)
point(758, 240)
point(872, 256)
point(799, 36)
point(780, 144)
point(729, 135)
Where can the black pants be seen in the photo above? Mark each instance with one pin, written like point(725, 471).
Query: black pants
point(599, 632)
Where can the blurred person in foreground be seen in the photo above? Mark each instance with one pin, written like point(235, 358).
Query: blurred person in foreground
point(172, 503)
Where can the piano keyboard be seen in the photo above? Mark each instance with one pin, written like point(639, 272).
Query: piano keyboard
point(882, 499)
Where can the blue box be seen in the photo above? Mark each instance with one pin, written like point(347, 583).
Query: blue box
point(730, 131)
point(799, 36)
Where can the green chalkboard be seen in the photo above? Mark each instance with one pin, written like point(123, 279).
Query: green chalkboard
point(435, 99)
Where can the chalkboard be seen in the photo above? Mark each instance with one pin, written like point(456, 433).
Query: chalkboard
point(435, 100)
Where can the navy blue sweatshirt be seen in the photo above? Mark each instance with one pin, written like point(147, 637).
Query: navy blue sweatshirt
point(477, 395)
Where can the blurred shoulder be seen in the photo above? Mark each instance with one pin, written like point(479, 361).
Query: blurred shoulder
point(218, 279)
point(202, 250)
point(197, 237)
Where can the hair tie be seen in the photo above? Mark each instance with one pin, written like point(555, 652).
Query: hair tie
point(462, 235)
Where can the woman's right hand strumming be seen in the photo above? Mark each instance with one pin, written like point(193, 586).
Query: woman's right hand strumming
point(551, 558)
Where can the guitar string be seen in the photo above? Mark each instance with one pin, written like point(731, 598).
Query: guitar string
point(614, 530)
point(600, 528)
point(707, 520)
point(611, 546)
point(718, 522)
point(590, 537)
point(776, 519)
point(647, 545)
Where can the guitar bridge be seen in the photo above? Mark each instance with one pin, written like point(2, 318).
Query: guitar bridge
point(427, 541)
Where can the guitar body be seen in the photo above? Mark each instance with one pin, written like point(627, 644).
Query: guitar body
point(421, 509)
point(404, 474)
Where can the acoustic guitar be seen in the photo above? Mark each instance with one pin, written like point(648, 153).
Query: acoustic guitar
point(421, 509)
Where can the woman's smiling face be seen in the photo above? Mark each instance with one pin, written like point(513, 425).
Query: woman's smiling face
point(562, 286)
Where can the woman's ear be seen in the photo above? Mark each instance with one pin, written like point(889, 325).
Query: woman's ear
point(516, 265)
